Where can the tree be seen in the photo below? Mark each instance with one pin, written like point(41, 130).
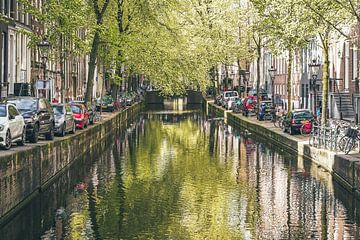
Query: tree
point(99, 12)
point(329, 20)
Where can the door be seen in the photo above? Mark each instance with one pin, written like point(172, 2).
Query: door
point(44, 116)
point(14, 123)
point(69, 118)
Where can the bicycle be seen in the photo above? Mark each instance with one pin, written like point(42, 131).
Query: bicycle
point(347, 142)
point(277, 121)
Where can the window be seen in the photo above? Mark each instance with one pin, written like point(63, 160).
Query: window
point(2, 111)
point(13, 112)
point(58, 110)
point(25, 105)
point(76, 109)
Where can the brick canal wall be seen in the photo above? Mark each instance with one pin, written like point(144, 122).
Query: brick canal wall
point(344, 168)
point(24, 173)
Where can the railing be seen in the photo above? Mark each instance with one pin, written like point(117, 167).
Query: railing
point(328, 136)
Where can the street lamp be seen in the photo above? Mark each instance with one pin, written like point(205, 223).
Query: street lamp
point(315, 68)
point(272, 72)
point(44, 49)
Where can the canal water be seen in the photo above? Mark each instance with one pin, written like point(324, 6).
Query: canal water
point(177, 174)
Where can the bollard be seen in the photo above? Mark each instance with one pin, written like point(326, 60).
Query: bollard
point(341, 115)
point(356, 118)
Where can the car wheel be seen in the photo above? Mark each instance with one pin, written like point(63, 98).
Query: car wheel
point(63, 130)
point(21, 142)
point(73, 128)
point(50, 134)
point(7, 144)
point(291, 131)
point(34, 138)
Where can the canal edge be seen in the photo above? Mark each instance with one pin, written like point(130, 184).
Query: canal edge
point(345, 169)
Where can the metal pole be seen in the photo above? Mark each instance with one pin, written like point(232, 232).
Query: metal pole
point(46, 92)
point(272, 91)
point(315, 97)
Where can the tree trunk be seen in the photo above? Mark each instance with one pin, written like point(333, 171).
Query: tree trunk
point(226, 77)
point(239, 74)
point(62, 69)
point(325, 81)
point(92, 65)
point(289, 80)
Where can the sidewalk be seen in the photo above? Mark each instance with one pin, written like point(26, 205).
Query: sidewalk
point(344, 168)
point(15, 149)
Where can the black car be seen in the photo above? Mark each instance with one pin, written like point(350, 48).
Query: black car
point(106, 103)
point(90, 108)
point(38, 116)
point(295, 119)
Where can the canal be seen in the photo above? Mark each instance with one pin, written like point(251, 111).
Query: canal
point(182, 175)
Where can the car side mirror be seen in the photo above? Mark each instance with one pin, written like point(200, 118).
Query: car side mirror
point(11, 117)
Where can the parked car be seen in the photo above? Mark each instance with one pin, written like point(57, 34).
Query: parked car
point(12, 126)
point(228, 98)
point(91, 108)
point(106, 103)
point(294, 119)
point(64, 119)
point(249, 105)
point(265, 110)
point(81, 115)
point(38, 116)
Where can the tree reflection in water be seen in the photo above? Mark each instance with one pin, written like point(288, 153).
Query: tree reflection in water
point(180, 176)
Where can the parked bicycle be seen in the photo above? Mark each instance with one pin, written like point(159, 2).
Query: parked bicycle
point(348, 142)
point(277, 121)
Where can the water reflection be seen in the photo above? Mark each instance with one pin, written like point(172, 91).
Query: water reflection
point(179, 176)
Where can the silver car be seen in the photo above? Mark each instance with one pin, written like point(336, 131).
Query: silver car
point(64, 120)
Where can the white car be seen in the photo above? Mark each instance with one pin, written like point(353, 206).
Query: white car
point(228, 98)
point(12, 126)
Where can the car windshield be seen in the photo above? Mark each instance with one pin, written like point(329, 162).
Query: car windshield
point(305, 114)
point(250, 100)
point(2, 111)
point(107, 99)
point(25, 105)
point(231, 94)
point(58, 110)
point(267, 104)
point(75, 109)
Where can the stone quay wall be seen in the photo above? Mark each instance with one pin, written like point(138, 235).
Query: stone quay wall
point(344, 168)
point(24, 173)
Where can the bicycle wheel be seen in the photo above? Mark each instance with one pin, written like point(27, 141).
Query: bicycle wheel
point(276, 123)
point(349, 145)
point(341, 143)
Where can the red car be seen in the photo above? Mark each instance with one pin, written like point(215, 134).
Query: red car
point(249, 105)
point(81, 115)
